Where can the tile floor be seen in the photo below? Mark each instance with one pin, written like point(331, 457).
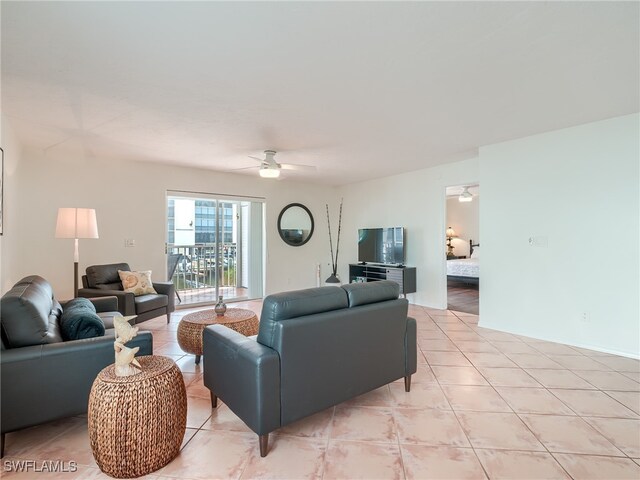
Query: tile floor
point(483, 404)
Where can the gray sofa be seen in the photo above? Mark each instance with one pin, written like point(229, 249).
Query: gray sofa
point(44, 378)
point(315, 348)
point(104, 280)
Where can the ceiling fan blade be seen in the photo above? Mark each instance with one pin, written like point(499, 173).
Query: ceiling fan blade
point(291, 166)
point(244, 168)
point(261, 160)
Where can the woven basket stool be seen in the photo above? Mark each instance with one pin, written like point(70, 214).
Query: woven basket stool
point(137, 423)
point(192, 326)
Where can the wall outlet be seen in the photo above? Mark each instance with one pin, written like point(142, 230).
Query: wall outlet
point(540, 241)
point(584, 317)
point(129, 242)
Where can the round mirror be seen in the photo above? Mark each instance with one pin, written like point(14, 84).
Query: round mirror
point(295, 224)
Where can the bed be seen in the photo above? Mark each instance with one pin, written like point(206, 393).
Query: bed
point(465, 270)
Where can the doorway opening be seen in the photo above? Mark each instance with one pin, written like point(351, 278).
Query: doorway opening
point(214, 247)
point(463, 248)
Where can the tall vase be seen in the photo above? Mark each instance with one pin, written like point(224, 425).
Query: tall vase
point(220, 307)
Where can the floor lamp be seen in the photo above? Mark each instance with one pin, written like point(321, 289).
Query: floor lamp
point(76, 223)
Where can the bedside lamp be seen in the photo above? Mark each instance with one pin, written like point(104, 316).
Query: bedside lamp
point(76, 223)
point(450, 234)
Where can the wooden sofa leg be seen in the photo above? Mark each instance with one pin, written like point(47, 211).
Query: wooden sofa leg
point(2, 445)
point(214, 400)
point(168, 317)
point(407, 383)
point(264, 444)
point(198, 359)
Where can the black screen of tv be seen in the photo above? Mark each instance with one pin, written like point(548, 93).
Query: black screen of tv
point(381, 245)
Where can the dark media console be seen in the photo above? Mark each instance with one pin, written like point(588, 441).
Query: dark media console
point(368, 272)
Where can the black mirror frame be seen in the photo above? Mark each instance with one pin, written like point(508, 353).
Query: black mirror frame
point(285, 240)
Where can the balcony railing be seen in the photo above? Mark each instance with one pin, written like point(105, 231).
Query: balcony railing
point(197, 268)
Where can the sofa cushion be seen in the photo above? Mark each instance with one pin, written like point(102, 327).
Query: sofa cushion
point(30, 314)
point(146, 303)
point(371, 292)
point(80, 320)
point(287, 305)
point(99, 276)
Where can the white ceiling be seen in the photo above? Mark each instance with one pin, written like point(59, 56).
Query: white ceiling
point(361, 90)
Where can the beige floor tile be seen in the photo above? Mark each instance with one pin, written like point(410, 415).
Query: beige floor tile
point(623, 433)
point(514, 347)
point(423, 374)
point(464, 336)
point(609, 380)
point(429, 427)
point(212, 454)
point(509, 465)
point(316, 426)
point(630, 400)
point(362, 460)
point(508, 377)
point(479, 346)
point(593, 403)
point(421, 462)
point(15, 469)
point(503, 431)
point(189, 378)
point(578, 362)
point(447, 358)
point(485, 359)
point(620, 364)
point(552, 378)
point(497, 336)
point(569, 435)
point(422, 395)
point(198, 411)
point(475, 398)
point(530, 360)
point(287, 458)
point(585, 467)
point(367, 424)
point(223, 419)
point(533, 400)
point(555, 349)
point(171, 348)
point(635, 376)
point(458, 376)
point(187, 364)
point(197, 389)
point(437, 345)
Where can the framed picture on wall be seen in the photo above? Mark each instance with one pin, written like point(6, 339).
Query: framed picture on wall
point(1, 190)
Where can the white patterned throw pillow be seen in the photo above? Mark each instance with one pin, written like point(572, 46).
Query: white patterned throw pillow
point(139, 283)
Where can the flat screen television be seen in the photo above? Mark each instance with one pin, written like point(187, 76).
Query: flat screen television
point(381, 245)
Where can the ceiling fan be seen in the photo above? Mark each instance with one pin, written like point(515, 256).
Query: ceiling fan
point(269, 168)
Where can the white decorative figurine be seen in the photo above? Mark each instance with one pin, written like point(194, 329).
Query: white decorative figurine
point(126, 364)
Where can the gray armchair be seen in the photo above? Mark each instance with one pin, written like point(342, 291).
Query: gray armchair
point(44, 378)
point(103, 280)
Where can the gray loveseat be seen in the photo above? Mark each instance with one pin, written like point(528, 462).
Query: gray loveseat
point(43, 377)
point(315, 348)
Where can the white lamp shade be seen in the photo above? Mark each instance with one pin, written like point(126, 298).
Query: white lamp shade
point(450, 232)
point(269, 172)
point(76, 223)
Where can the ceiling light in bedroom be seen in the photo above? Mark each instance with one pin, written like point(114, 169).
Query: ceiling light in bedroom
point(269, 172)
point(465, 196)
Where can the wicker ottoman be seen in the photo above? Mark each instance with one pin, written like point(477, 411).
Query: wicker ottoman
point(192, 325)
point(137, 423)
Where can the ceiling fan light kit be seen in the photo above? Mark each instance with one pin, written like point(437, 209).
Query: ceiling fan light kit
point(269, 172)
point(269, 168)
point(465, 196)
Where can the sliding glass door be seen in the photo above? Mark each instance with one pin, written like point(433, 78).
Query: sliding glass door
point(214, 247)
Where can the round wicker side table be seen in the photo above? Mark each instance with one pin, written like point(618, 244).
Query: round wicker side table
point(192, 326)
point(137, 423)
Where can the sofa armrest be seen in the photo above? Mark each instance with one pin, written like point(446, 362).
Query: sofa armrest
point(102, 304)
point(126, 300)
point(168, 289)
point(245, 375)
point(410, 347)
point(41, 383)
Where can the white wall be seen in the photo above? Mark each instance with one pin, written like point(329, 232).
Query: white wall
point(11, 203)
point(129, 198)
point(464, 218)
point(577, 190)
point(413, 200)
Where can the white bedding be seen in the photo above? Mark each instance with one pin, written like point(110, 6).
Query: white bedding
point(464, 267)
